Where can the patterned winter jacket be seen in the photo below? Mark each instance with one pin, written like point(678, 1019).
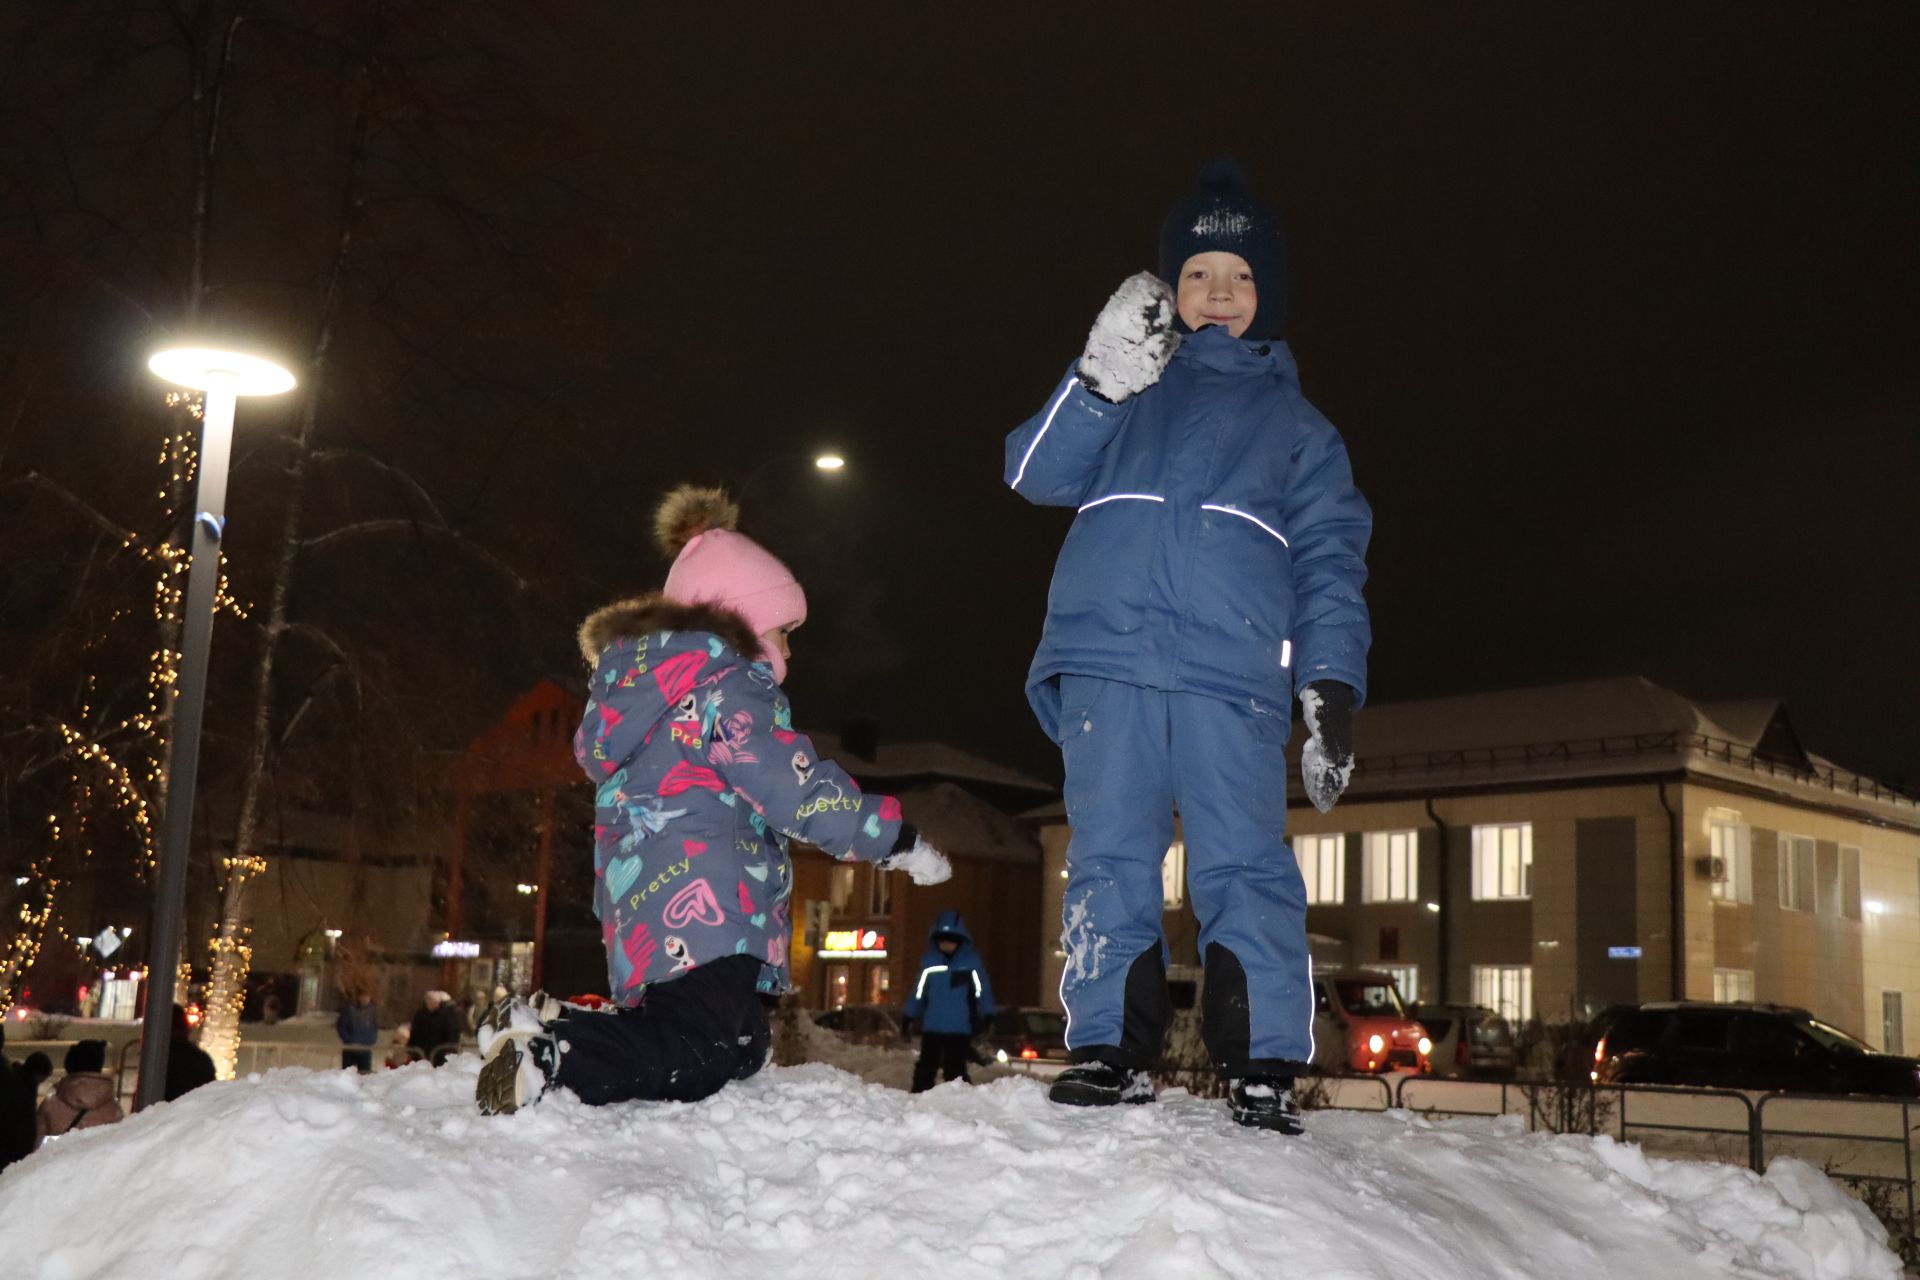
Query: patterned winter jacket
point(1220, 543)
point(702, 781)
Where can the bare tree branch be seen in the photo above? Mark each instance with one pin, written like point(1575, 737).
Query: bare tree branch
point(395, 525)
point(39, 480)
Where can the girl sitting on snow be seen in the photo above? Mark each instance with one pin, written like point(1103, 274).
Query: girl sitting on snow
point(702, 781)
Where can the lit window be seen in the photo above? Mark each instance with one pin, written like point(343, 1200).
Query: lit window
point(1503, 861)
point(1507, 989)
point(1730, 985)
point(1173, 875)
point(1323, 865)
point(1850, 881)
point(1390, 871)
point(1730, 845)
point(840, 886)
point(1796, 872)
point(1406, 979)
point(880, 893)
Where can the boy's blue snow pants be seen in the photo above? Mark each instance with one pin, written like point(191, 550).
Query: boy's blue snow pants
point(1133, 755)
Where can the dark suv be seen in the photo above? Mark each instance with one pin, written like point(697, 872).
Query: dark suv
point(1746, 1046)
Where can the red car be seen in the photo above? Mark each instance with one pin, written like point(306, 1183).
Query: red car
point(1359, 1024)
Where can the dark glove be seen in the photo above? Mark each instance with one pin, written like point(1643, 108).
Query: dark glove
point(1326, 762)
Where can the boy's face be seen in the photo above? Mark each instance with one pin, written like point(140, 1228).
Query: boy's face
point(1217, 288)
point(949, 945)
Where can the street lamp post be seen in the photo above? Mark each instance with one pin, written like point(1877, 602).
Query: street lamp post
point(222, 376)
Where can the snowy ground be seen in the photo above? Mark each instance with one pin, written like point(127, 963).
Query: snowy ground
point(808, 1171)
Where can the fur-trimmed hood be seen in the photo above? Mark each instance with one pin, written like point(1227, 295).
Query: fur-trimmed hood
point(644, 615)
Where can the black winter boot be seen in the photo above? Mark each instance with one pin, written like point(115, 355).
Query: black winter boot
point(1265, 1102)
point(1100, 1084)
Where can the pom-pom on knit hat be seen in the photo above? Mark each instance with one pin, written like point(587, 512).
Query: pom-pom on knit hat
point(1225, 216)
point(715, 564)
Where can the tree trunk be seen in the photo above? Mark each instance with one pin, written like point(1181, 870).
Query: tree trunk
point(232, 957)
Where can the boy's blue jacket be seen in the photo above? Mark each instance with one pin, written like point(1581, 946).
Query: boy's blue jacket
point(1220, 546)
point(702, 780)
point(952, 995)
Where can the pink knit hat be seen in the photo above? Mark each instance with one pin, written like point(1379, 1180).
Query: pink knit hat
point(714, 564)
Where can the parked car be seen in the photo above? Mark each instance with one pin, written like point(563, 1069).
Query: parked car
point(1360, 1024)
point(862, 1023)
point(1468, 1039)
point(1746, 1046)
point(1029, 1035)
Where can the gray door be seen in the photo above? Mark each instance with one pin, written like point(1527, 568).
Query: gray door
point(1892, 1036)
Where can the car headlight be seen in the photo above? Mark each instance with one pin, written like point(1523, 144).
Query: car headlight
point(999, 1055)
point(1375, 1044)
point(1426, 1046)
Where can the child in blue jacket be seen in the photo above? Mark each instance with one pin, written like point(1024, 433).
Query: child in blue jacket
point(701, 781)
point(952, 1001)
point(1212, 574)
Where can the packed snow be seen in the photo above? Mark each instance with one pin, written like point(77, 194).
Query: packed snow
point(810, 1171)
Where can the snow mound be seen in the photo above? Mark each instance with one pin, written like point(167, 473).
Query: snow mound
point(807, 1171)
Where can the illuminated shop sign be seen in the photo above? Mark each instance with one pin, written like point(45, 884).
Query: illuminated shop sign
point(1623, 953)
point(453, 949)
point(857, 943)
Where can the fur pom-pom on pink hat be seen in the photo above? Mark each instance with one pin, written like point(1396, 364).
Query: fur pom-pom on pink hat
point(715, 564)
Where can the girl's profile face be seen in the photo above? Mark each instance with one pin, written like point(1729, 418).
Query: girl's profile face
point(1217, 288)
point(776, 641)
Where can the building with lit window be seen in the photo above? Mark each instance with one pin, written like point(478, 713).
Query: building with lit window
point(1553, 851)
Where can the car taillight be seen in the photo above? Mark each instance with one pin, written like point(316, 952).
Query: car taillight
point(1600, 1050)
point(1028, 1052)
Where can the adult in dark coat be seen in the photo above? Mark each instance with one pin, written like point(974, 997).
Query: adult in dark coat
point(358, 1024)
point(19, 1094)
point(188, 1066)
point(437, 1022)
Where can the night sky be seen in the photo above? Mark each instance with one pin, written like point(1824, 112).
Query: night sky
point(1614, 306)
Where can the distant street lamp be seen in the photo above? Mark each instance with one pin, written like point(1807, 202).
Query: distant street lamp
point(827, 460)
point(222, 376)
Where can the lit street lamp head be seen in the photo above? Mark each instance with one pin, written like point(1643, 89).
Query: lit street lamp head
point(830, 462)
point(203, 368)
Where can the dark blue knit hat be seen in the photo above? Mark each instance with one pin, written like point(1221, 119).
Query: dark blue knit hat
point(1225, 216)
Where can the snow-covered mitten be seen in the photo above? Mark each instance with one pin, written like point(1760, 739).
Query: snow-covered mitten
point(1326, 762)
point(913, 855)
point(1131, 340)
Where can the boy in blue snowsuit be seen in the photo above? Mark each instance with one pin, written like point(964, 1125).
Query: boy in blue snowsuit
point(1212, 574)
point(952, 1001)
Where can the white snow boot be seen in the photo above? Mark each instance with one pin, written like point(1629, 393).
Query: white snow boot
point(512, 1014)
point(517, 1074)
